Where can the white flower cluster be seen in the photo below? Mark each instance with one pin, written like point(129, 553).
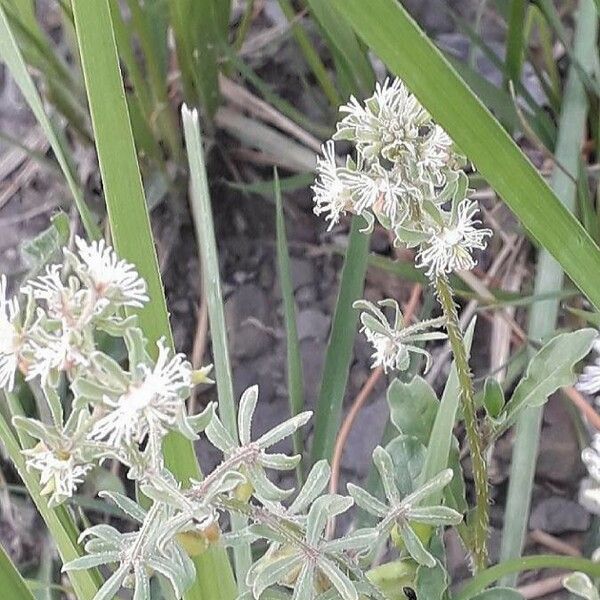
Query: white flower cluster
point(124, 414)
point(406, 170)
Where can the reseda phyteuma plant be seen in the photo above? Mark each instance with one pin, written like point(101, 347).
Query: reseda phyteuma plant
point(124, 415)
point(407, 174)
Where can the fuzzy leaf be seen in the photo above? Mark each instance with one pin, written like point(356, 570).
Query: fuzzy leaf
point(415, 547)
point(283, 430)
point(434, 515)
point(367, 501)
point(245, 412)
point(313, 486)
point(339, 580)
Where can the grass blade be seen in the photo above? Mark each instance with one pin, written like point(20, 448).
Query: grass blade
point(294, 361)
point(389, 30)
point(515, 41)
point(351, 58)
point(132, 236)
point(205, 233)
point(339, 349)
point(12, 57)
point(549, 277)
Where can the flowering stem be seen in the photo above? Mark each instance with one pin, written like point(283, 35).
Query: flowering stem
point(467, 396)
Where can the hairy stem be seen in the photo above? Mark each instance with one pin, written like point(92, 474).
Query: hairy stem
point(467, 397)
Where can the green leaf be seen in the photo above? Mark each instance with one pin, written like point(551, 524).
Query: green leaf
point(203, 222)
point(294, 360)
point(130, 226)
point(549, 278)
point(408, 456)
point(413, 407)
point(591, 317)
point(550, 369)
point(493, 397)
point(11, 583)
point(388, 29)
point(339, 349)
point(440, 440)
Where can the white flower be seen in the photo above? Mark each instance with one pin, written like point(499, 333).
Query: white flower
point(589, 381)
point(449, 247)
point(331, 195)
point(388, 123)
point(60, 472)
point(393, 343)
point(153, 405)
point(10, 342)
point(375, 189)
point(54, 351)
point(112, 278)
point(62, 301)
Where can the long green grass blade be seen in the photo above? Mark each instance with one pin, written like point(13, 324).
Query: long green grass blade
point(295, 377)
point(388, 29)
point(549, 278)
point(12, 57)
point(205, 233)
point(339, 350)
point(130, 226)
point(515, 41)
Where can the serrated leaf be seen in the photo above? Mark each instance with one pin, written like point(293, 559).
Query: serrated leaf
point(550, 369)
point(413, 407)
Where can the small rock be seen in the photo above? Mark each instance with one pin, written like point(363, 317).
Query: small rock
point(312, 324)
point(559, 515)
point(247, 339)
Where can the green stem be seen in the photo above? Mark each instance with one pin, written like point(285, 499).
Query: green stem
point(527, 563)
point(467, 397)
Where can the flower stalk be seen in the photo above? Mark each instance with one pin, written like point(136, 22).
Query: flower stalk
point(467, 397)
